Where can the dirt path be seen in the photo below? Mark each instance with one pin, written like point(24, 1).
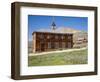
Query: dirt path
point(60, 51)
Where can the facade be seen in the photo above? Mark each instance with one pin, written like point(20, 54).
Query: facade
point(48, 41)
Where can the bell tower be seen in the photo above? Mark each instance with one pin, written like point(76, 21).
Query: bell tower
point(53, 26)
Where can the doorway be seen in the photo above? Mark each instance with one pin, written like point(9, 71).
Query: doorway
point(42, 47)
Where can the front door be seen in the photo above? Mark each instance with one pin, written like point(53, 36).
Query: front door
point(42, 47)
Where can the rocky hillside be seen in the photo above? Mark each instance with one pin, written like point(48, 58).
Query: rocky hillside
point(60, 30)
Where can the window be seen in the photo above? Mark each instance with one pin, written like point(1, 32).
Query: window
point(41, 36)
point(56, 45)
point(62, 36)
point(69, 37)
point(63, 45)
point(69, 44)
point(56, 37)
point(49, 44)
point(52, 45)
point(48, 36)
point(52, 37)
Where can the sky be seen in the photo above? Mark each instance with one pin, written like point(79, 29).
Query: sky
point(36, 22)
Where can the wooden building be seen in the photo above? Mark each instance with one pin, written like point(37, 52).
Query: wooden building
point(48, 41)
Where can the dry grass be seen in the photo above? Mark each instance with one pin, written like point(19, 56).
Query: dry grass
point(64, 58)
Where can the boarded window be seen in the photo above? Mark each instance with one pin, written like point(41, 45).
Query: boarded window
point(69, 37)
point(48, 36)
point(41, 36)
point(56, 37)
point(56, 44)
point(69, 44)
point(49, 44)
point(63, 45)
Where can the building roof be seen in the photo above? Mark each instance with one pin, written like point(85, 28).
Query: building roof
point(51, 32)
point(60, 30)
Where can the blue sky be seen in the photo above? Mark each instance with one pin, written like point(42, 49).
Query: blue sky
point(36, 22)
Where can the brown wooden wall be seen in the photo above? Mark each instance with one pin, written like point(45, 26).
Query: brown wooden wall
point(42, 39)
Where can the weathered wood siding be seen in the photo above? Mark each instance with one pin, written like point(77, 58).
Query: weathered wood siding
point(46, 41)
